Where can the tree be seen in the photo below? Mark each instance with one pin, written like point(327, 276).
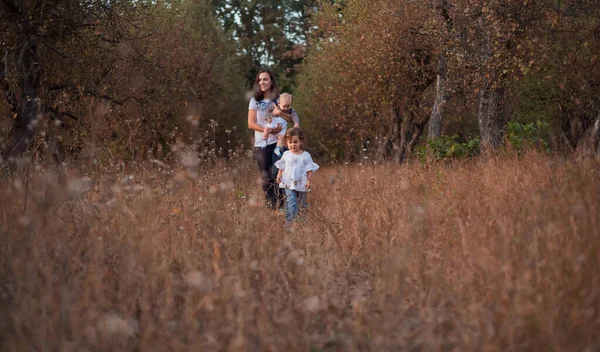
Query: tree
point(491, 41)
point(126, 76)
point(551, 44)
point(367, 74)
point(445, 28)
point(269, 33)
point(27, 26)
point(568, 48)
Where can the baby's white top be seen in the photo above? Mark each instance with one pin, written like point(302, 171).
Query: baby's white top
point(276, 120)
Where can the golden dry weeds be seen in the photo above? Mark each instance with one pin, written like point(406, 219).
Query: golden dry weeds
point(493, 255)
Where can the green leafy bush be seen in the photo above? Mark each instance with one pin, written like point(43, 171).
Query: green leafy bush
point(447, 147)
point(521, 136)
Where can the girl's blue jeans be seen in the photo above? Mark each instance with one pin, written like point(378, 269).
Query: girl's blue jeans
point(293, 201)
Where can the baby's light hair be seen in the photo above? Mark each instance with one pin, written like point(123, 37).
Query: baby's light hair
point(286, 96)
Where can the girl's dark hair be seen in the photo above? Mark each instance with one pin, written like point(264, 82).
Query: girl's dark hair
point(294, 132)
point(258, 94)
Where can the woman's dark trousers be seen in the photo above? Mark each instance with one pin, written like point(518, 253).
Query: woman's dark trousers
point(268, 173)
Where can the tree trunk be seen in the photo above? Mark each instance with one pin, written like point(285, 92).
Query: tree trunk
point(594, 140)
point(437, 113)
point(406, 133)
point(490, 116)
point(28, 107)
point(491, 98)
point(391, 145)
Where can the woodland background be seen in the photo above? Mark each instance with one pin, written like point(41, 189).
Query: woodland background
point(128, 80)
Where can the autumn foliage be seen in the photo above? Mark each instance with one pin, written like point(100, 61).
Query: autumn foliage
point(376, 69)
point(117, 81)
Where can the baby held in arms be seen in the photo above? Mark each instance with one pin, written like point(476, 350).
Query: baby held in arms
point(285, 105)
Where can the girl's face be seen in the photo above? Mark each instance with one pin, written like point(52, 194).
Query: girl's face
point(294, 144)
point(264, 82)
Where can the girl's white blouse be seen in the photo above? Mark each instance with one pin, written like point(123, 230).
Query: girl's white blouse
point(295, 167)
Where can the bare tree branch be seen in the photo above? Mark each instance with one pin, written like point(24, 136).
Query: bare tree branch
point(55, 50)
point(8, 92)
point(91, 93)
point(62, 113)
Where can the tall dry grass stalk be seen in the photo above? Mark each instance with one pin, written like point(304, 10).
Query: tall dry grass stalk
point(494, 255)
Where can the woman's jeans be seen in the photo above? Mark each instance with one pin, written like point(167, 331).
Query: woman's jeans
point(293, 201)
point(268, 173)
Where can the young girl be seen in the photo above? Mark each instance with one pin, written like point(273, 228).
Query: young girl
point(296, 168)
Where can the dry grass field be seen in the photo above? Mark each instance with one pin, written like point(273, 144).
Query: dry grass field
point(478, 255)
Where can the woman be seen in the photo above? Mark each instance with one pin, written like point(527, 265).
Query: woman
point(261, 105)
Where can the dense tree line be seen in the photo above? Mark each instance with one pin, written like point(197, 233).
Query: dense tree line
point(128, 80)
point(380, 71)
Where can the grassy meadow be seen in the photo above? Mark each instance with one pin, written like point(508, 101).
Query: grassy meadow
point(498, 254)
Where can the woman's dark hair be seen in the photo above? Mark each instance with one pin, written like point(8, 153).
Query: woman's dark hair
point(258, 94)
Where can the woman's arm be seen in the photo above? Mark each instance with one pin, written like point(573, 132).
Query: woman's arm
point(252, 124)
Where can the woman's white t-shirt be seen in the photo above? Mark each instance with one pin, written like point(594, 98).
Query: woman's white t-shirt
point(262, 112)
point(295, 167)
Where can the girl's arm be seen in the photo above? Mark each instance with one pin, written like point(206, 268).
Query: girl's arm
point(279, 173)
point(308, 176)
